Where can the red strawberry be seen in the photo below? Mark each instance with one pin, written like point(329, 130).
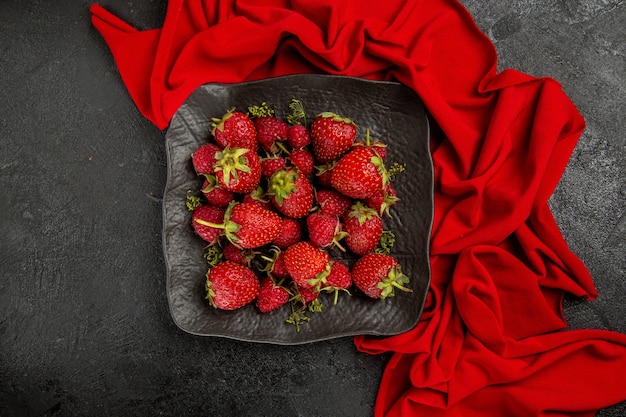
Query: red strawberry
point(303, 160)
point(298, 136)
point(291, 192)
point(215, 194)
point(271, 164)
point(331, 136)
point(237, 255)
point(248, 225)
point(382, 200)
point(339, 279)
point(235, 130)
point(308, 297)
point(231, 286)
point(325, 231)
point(332, 202)
point(213, 215)
point(291, 233)
point(276, 264)
point(259, 198)
point(377, 275)
point(204, 158)
point(272, 295)
point(307, 265)
point(269, 130)
point(238, 169)
point(364, 227)
point(323, 174)
point(359, 174)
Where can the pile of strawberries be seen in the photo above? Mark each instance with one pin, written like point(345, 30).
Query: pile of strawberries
point(284, 204)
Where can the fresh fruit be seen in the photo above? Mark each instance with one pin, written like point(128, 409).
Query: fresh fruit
point(298, 136)
point(331, 136)
point(382, 200)
point(269, 130)
point(332, 202)
point(248, 225)
point(204, 158)
point(230, 286)
point(237, 255)
point(214, 193)
point(272, 295)
point(307, 265)
point(291, 192)
point(359, 174)
point(238, 169)
point(364, 227)
point(339, 279)
point(276, 264)
point(235, 130)
point(271, 164)
point(325, 231)
point(378, 275)
point(203, 218)
point(303, 160)
point(291, 233)
point(323, 174)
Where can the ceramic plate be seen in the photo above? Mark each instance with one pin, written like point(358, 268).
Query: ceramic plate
point(393, 113)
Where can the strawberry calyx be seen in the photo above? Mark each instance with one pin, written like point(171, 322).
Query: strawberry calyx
point(320, 278)
point(336, 117)
point(230, 227)
point(230, 161)
point(394, 279)
point(211, 183)
point(282, 184)
point(362, 212)
point(210, 294)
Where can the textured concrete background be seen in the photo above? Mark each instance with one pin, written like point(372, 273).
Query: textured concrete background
point(84, 322)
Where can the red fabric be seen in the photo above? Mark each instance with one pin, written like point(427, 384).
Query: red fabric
point(490, 341)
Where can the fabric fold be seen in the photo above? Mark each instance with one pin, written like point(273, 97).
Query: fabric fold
point(492, 339)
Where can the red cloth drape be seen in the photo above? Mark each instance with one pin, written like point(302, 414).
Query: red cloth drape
point(491, 339)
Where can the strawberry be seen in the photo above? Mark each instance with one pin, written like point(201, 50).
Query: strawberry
point(377, 275)
point(359, 174)
point(331, 136)
point(339, 279)
point(378, 146)
point(291, 192)
point(276, 264)
point(269, 130)
point(272, 295)
point(308, 297)
point(238, 169)
point(235, 130)
point(307, 265)
point(215, 194)
point(231, 286)
point(303, 160)
point(271, 164)
point(203, 214)
point(204, 158)
point(291, 233)
point(332, 202)
point(323, 174)
point(259, 198)
point(382, 200)
point(364, 227)
point(325, 231)
point(298, 136)
point(237, 255)
point(248, 225)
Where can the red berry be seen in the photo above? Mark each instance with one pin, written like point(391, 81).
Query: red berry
point(303, 160)
point(269, 130)
point(324, 231)
point(298, 136)
point(359, 174)
point(231, 286)
point(271, 295)
point(364, 227)
point(291, 192)
point(377, 275)
point(238, 169)
point(291, 233)
point(331, 136)
point(215, 194)
point(235, 130)
point(339, 279)
point(272, 164)
point(307, 265)
point(203, 214)
point(204, 158)
point(332, 202)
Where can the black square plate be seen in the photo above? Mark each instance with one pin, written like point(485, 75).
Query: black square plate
point(392, 113)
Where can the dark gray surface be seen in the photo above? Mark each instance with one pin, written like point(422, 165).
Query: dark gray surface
point(84, 322)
